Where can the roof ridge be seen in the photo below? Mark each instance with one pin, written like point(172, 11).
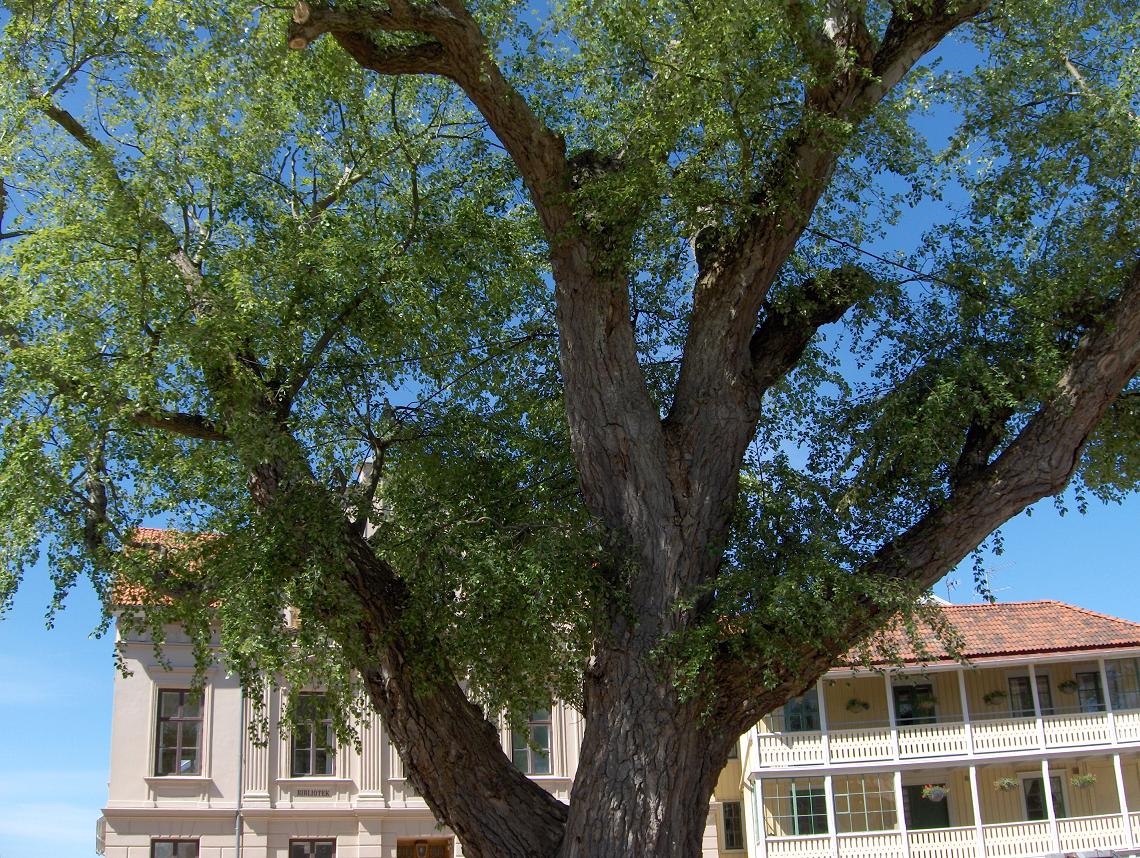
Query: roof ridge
point(1098, 614)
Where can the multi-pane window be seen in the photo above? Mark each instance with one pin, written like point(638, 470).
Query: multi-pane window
point(179, 734)
point(312, 849)
point(794, 806)
point(1021, 696)
point(1033, 788)
point(314, 742)
point(1123, 682)
point(530, 748)
point(174, 849)
point(1089, 696)
point(864, 803)
point(800, 714)
point(914, 704)
point(733, 825)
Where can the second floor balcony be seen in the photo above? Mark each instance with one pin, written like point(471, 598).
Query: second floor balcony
point(956, 712)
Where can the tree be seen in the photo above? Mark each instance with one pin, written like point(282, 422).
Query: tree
point(558, 354)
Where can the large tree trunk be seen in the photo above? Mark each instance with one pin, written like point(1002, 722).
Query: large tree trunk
point(648, 765)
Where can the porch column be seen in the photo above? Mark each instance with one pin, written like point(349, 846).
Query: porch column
point(829, 801)
point(758, 815)
point(976, 804)
point(1051, 813)
point(966, 723)
point(823, 726)
point(1118, 770)
point(1037, 712)
point(891, 714)
point(1107, 700)
point(901, 814)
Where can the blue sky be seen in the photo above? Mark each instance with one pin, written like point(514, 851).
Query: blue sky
point(55, 686)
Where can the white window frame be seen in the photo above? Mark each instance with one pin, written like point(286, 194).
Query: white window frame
point(178, 681)
point(286, 756)
point(724, 827)
point(530, 753)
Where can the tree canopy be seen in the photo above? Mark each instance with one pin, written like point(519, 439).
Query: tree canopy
point(618, 351)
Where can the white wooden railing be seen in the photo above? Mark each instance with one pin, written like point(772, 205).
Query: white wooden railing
point(873, 844)
point(1017, 839)
point(873, 743)
point(799, 847)
point(943, 843)
point(1134, 821)
point(1128, 725)
point(1076, 728)
point(1005, 734)
point(782, 750)
point(1090, 832)
point(991, 736)
point(932, 740)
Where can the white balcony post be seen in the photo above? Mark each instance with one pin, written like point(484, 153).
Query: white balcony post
point(1037, 707)
point(1054, 835)
point(901, 814)
point(976, 805)
point(1122, 797)
point(823, 725)
point(761, 824)
point(1107, 700)
point(829, 800)
point(891, 714)
point(967, 724)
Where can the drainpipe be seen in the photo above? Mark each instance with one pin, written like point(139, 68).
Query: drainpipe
point(240, 776)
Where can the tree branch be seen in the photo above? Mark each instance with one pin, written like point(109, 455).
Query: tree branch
point(305, 368)
point(1039, 462)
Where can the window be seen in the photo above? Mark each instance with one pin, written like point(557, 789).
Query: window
point(801, 714)
point(312, 849)
point(179, 739)
point(794, 806)
point(434, 847)
point(530, 748)
point(174, 849)
point(1021, 696)
point(1123, 682)
point(1034, 791)
point(864, 803)
point(733, 825)
point(1089, 696)
point(314, 744)
point(914, 704)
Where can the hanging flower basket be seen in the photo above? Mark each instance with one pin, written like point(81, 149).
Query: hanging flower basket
point(993, 698)
point(857, 705)
point(1069, 686)
point(934, 792)
point(1083, 781)
point(1005, 784)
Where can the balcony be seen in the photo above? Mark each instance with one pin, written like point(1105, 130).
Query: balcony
point(1000, 809)
point(964, 713)
point(1005, 840)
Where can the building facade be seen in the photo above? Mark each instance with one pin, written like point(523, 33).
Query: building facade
point(942, 760)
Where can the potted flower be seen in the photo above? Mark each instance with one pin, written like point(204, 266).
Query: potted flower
point(993, 698)
point(857, 705)
point(1005, 784)
point(934, 792)
point(1082, 781)
point(1069, 686)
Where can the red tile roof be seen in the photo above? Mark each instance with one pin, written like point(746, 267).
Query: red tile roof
point(1026, 628)
point(127, 593)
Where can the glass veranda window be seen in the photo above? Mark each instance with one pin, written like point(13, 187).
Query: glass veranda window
point(179, 733)
point(1123, 682)
point(801, 714)
point(733, 825)
point(314, 742)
